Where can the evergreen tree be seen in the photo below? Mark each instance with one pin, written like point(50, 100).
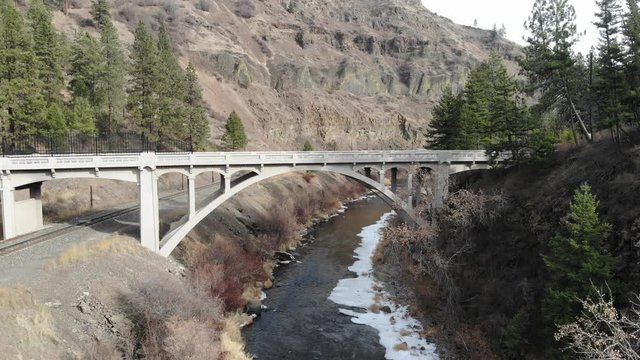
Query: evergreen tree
point(445, 127)
point(476, 115)
point(143, 84)
point(234, 137)
point(21, 103)
point(548, 58)
point(55, 121)
point(171, 88)
point(87, 70)
point(82, 119)
point(100, 12)
point(307, 146)
point(631, 33)
point(47, 45)
point(196, 114)
point(577, 260)
point(114, 78)
point(610, 80)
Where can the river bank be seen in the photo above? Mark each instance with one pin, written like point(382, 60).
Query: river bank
point(96, 295)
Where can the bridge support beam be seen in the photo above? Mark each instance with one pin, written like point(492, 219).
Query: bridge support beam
point(394, 179)
point(192, 197)
point(149, 215)
point(410, 190)
point(227, 183)
point(381, 178)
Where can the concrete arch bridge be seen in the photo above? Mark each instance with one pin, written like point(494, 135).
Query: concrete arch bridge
point(237, 171)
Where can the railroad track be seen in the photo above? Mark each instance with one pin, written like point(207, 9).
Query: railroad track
point(27, 240)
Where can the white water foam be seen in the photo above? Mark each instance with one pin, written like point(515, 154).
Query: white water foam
point(396, 328)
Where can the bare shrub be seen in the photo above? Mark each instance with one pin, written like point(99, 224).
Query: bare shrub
point(189, 339)
point(162, 312)
point(246, 8)
point(203, 5)
point(427, 259)
point(280, 225)
point(602, 332)
point(224, 269)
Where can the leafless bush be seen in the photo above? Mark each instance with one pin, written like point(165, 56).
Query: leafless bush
point(224, 268)
point(602, 332)
point(203, 5)
point(419, 243)
point(167, 312)
point(246, 8)
point(280, 225)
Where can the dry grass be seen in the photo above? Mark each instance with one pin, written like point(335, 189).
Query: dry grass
point(116, 244)
point(231, 337)
point(26, 325)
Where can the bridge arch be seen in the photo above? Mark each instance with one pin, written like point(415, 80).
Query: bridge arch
point(173, 239)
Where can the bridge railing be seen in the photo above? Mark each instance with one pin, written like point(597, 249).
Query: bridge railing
point(88, 144)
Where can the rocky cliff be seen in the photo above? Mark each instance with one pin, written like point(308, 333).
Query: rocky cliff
point(344, 75)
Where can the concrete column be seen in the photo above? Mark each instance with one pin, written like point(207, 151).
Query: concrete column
point(441, 186)
point(8, 209)
point(410, 189)
point(149, 216)
point(381, 178)
point(394, 179)
point(227, 183)
point(192, 197)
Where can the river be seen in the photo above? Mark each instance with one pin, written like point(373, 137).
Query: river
point(301, 322)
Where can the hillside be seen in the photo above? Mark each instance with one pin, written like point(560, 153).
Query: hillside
point(496, 228)
point(311, 70)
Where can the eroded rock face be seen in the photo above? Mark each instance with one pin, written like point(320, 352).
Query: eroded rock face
point(342, 74)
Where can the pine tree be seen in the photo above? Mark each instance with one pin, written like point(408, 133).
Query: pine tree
point(548, 58)
point(171, 88)
point(82, 118)
point(143, 84)
point(577, 260)
point(196, 114)
point(22, 106)
point(114, 78)
point(476, 112)
point(631, 33)
point(307, 146)
point(48, 48)
point(610, 80)
point(234, 137)
point(87, 70)
point(445, 127)
point(100, 12)
point(56, 120)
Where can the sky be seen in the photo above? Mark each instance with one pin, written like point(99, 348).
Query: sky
point(513, 14)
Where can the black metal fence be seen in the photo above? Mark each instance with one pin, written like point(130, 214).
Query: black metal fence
point(65, 144)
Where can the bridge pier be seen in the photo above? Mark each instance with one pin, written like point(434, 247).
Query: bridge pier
point(394, 179)
point(410, 190)
point(440, 186)
point(149, 215)
point(192, 197)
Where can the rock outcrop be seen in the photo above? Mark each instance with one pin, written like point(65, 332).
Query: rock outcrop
point(341, 74)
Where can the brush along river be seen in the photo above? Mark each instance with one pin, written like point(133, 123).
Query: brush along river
point(322, 307)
